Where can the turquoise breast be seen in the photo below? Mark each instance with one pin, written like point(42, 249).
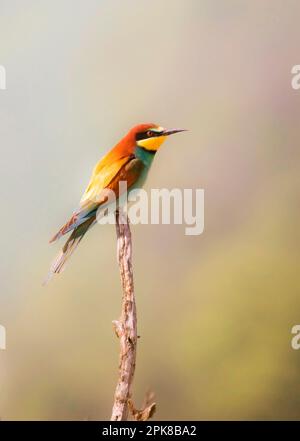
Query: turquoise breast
point(146, 157)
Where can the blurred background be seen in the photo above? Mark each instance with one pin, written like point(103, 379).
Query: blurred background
point(215, 311)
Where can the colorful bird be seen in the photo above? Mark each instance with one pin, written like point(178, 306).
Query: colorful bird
point(129, 161)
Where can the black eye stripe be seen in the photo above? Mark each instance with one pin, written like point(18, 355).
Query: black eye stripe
point(146, 135)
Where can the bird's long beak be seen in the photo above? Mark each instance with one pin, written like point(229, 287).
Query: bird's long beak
point(168, 132)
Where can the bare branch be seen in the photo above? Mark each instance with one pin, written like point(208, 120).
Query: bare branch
point(147, 411)
point(126, 331)
point(126, 327)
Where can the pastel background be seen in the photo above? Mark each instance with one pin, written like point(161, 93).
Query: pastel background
point(215, 311)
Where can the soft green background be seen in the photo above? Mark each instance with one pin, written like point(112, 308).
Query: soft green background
point(215, 311)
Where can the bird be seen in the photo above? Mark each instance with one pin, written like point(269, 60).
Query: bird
point(129, 160)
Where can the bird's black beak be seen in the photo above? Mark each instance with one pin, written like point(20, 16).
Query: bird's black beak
point(168, 132)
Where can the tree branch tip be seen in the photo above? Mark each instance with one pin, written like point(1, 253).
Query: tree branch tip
point(118, 328)
point(142, 414)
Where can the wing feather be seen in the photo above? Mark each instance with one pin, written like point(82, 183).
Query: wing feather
point(105, 175)
point(102, 176)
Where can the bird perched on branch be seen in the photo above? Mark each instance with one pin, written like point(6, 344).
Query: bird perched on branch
point(129, 161)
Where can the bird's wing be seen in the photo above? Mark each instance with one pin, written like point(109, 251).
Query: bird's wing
point(127, 168)
point(129, 173)
point(103, 175)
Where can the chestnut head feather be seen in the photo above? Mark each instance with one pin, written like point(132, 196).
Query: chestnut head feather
point(150, 136)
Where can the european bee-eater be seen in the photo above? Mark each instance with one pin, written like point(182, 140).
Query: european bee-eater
point(129, 161)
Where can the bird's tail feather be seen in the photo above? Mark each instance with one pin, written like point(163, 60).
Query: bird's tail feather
point(59, 263)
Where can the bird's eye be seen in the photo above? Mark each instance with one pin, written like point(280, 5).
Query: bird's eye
point(149, 133)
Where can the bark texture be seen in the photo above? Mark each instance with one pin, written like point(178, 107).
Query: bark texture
point(126, 330)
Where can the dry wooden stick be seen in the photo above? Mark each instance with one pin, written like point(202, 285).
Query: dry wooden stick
point(126, 328)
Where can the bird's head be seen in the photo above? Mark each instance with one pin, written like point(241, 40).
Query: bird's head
point(151, 136)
